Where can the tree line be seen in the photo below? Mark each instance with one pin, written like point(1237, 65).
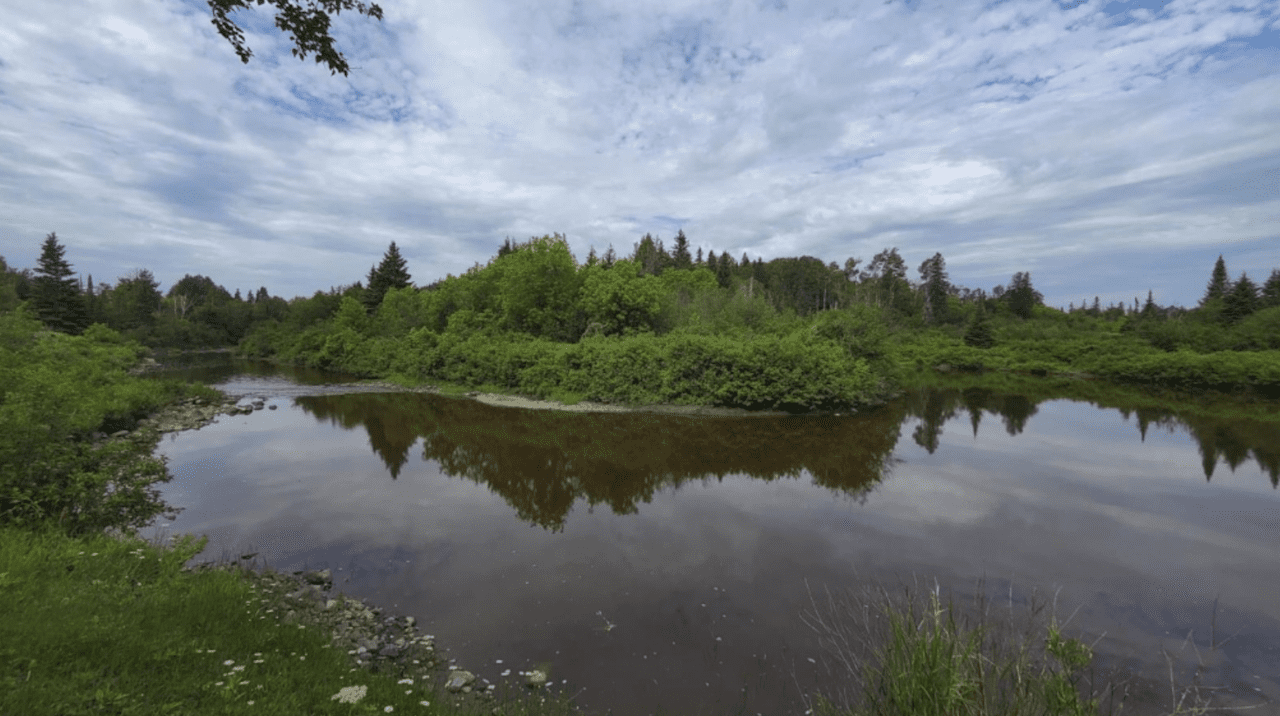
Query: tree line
point(197, 312)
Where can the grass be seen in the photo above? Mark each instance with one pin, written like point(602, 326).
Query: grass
point(899, 654)
point(99, 625)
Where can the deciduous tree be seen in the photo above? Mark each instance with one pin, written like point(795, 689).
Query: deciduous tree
point(309, 27)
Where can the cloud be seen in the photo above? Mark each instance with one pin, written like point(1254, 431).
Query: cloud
point(1060, 139)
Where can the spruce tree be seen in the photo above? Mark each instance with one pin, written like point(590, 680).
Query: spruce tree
point(978, 334)
point(1219, 284)
point(55, 290)
point(1271, 291)
point(680, 253)
point(724, 270)
point(933, 274)
point(1241, 302)
point(698, 261)
point(1149, 309)
point(391, 274)
point(1021, 297)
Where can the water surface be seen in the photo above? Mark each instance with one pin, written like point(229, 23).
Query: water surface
point(660, 562)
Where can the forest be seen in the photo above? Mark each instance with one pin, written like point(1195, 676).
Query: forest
point(668, 326)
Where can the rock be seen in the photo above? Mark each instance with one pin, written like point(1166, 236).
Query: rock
point(535, 678)
point(119, 433)
point(323, 577)
point(272, 406)
point(459, 680)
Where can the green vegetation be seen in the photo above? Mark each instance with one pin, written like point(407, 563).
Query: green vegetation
point(792, 334)
point(900, 655)
point(98, 625)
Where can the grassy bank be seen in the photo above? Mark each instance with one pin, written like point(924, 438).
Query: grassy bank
point(100, 625)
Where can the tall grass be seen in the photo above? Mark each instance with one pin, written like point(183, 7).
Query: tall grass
point(902, 653)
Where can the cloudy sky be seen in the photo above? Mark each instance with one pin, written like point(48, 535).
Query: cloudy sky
point(1105, 147)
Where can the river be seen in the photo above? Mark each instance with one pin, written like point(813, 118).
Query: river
point(664, 563)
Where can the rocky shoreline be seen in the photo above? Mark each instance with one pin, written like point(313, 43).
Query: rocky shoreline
point(377, 643)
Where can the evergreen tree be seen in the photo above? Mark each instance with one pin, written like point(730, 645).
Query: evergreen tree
point(93, 312)
point(933, 275)
point(681, 252)
point(133, 303)
point(698, 261)
point(1149, 309)
point(506, 248)
point(592, 259)
point(1271, 291)
point(1241, 302)
point(1219, 284)
point(609, 258)
point(1097, 307)
point(978, 334)
point(724, 270)
point(56, 291)
point(391, 274)
point(1021, 297)
point(647, 256)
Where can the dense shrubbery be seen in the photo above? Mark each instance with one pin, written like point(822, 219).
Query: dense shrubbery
point(55, 392)
point(1099, 348)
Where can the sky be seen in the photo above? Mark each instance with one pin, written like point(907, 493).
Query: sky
point(1107, 148)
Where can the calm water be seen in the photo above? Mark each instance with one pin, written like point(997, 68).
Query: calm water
point(662, 562)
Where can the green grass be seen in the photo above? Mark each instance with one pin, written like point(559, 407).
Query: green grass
point(99, 625)
point(902, 655)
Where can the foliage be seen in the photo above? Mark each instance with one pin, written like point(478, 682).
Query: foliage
point(979, 334)
point(308, 28)
point(622, 299)
point(1241, 301)
point(392, 273)
point(134, 302)
point(1219, 284)
point(1021, 297)
point(55, 392)
point(55, 291)
point(933, 275)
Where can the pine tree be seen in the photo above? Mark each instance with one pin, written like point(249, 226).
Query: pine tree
point(55, 291)
point(1241, 302)
point(1219, 284)
point(391, 274)
point(698, 261)
point(681, 252)
point(1271, 291)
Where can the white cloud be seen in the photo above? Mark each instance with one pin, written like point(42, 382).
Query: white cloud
point(1107, 148)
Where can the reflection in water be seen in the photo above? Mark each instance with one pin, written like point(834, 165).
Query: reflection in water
point(1233, 440)
point(542, 461)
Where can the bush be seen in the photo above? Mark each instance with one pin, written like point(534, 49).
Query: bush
point(55, 392)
